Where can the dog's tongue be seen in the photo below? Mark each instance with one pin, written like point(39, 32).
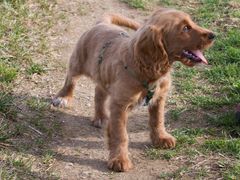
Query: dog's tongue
point(201, 56)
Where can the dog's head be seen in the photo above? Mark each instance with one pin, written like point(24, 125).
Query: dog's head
point(176, 37)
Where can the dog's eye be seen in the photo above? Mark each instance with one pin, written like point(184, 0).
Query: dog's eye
point(186, 28)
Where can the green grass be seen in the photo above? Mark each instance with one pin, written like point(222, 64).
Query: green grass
point(9, 130)
point(5, 132)
point(7, 74)
point(166, 2)
point(176, 113)
point(227, 124)
point(185, 138)
point(20, 166)
point(233, 172)
point(139, 4)
point(211, 11)
point(219, 84)
point(6, 103)
point(37, 104)
point(35, 69)
point(154, 153)
point(25, 123)
point(227, 146)
point(174, 175)
point(48, 157)
point(22, 36)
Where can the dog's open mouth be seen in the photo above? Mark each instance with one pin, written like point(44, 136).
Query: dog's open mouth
point(196, 56)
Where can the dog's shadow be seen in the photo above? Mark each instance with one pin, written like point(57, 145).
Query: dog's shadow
point(68, 131)
point(77, 133)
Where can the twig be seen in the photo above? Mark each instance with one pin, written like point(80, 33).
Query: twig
point(35, 130)
point(5, 145)
point(200, 163)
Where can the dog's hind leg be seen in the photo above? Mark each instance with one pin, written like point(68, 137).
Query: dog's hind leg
point(100, 110)
point(64, 96)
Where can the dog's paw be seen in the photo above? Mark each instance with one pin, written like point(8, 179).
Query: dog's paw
point(165, 140)
point(61, 102)
point(120, 164)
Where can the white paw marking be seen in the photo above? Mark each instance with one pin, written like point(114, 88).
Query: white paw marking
point(60, 102)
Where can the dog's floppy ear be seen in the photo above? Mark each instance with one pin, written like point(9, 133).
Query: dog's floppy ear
point(150, 43)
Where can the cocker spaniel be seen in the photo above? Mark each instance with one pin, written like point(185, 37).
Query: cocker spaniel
point(131, 69)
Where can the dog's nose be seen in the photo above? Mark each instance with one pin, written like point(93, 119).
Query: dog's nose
point(211, 36)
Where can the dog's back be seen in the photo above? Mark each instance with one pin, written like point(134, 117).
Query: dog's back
point(91, 44)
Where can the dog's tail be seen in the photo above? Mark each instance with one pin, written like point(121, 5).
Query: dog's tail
point(120, 21)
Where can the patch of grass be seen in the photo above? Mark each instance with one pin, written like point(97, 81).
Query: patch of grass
point(217, 13)
point(7, 74)
point(169, 154)
point(229, 74)
point(226, 120)
point(6, 103)
point(229, 147)
point(185, 137)
point(218, 85)
point(175, 113)
point(48, 128)
point(4, 131)
point(19, 164)
point(187, 82)
point(154, 153)
point(210, 9)
point(184, 72)
point(174, 175)
point(139, 4)
point(40, 125)
point(211, 102)
point(226, 48)
point(48, 157)
point(35, 69)
point(22, 166)
point(224, 74)
point(14, 46)
point(23, 36)
point(9, 129)
point(37, 104)
point(233, 172)
point(166, 2)
point(191, 152)
point(24, 31)
point(228, 124)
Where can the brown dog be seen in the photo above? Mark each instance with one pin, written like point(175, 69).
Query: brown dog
point(126, 69)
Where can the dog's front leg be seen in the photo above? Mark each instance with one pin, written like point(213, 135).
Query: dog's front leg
point(159, 136)
point(118, 138)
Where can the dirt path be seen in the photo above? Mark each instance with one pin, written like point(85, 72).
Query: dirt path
point(82, 153)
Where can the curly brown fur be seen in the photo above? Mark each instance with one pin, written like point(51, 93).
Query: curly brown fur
point(149, 54)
